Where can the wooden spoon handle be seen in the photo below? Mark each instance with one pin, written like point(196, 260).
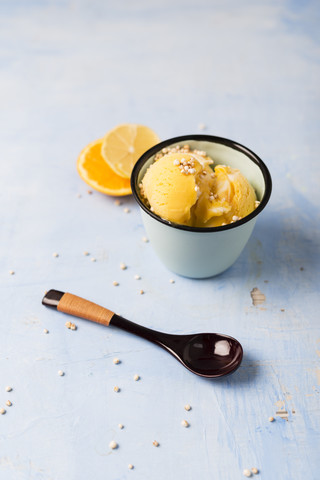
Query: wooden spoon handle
point(77, 306)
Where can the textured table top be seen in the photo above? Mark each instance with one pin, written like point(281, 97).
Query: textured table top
point(70, 71)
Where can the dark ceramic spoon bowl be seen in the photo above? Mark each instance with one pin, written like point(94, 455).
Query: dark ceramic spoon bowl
point(209, 355)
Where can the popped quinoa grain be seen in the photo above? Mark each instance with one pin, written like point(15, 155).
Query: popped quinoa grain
point(136, 378)
point(45, 330)
point(71, 326)
point(8, 403)
point(55, 254)
point(187, 407)
point(116, 361)
point(123, 266)
point(130, 466)
point(2, 411)
point(117, 202)
point(121, 426)
point(246, 472)
point(12, 272)
point(8, 389)
point(113, 445)
point(255, 470)
point(141, 292)
point(271, 419)
point(126, 210)
point(93, 259)
point(145, 239)
point(172, 281)
point(61, 373)
point(155, 443)
point(86, 253)
point(115, 283)
point(137, 277)
point(184, 423)
point(116, 389)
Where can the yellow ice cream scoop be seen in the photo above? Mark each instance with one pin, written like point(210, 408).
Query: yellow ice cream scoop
point(224, 199)
point(169, 186)
point(234, 190)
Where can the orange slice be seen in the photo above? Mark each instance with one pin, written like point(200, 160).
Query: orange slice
point(124, 144)
point(95, 172)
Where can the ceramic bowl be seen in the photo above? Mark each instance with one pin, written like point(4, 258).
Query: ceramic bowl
point(203, 252)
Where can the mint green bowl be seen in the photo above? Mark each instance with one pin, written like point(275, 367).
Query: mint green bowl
point(203, 252)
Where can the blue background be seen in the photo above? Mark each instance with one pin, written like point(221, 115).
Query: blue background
point(70, 71)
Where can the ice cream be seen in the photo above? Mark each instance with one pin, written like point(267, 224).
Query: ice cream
point(181, 186)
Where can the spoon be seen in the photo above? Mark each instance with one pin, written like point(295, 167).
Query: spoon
point(206, 354)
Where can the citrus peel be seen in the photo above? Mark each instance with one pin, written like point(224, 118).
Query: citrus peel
point(93, 169)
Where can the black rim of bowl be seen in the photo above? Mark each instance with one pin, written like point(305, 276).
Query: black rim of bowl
point(212, 139)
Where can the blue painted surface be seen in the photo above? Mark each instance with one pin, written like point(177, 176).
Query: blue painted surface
point(70, 71)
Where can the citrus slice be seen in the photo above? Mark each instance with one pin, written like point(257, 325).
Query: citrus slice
point(95, 172)
point(123, 145)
